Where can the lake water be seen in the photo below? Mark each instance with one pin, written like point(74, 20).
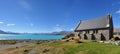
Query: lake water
point(29, 37)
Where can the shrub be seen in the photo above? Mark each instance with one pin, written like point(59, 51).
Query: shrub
point(68, 36)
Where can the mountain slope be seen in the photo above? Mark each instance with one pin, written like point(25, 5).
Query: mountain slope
point(2, 32)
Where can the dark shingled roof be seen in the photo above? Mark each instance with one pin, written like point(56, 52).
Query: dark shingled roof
point(94, 24)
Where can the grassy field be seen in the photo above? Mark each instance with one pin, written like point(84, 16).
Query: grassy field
point(60, 47)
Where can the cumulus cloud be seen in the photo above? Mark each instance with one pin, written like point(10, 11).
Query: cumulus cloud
point(1, 22)
point(10, 24)
point(25, 4)
point(58, 28)
point(118, 11)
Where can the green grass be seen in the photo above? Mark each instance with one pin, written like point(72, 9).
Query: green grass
point(93, 48)
point(61, 47)
point(85, 48)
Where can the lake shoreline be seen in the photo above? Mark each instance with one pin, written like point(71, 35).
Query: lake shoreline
point(8, 44)
point(29, 41)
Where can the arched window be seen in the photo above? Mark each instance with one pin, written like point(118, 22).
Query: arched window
point(93, 37)
point(96, 31)
point(93, 31)
point(79, 34)
point(88, 31)
point(85, 36)
point(103, 37)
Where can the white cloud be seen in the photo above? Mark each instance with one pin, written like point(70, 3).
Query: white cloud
point(31, 24)
point(71, 29)
point(57, 25)
point(118, 11)
point(10, 24)
point(57, 28)
point(25, 4)
point(1, 22)
point(116, 3)
point(113, 4)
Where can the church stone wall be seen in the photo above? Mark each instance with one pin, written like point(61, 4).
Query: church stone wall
point(102, 34)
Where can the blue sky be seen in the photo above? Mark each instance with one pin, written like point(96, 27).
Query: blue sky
point(53, 15)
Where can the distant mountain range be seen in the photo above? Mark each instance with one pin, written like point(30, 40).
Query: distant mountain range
point(65, 32)
point(3, 32)
point(117, 30)
point(53, 33)
point(62, 32)
point(56, 33)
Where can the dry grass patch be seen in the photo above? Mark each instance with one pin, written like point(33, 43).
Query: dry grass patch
point(19, 50)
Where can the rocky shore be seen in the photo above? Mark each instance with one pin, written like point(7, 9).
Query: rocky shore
point(14, 44)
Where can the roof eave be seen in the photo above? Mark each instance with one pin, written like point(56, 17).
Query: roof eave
point(90, 29)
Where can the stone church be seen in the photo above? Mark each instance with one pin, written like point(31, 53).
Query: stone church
point(96, 29)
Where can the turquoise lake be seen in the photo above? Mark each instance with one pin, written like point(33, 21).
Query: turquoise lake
point(29, 37)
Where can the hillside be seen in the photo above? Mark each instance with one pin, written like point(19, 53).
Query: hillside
point(116, 29)
point(62, 32)
point(56, 33)
point(2, 32)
